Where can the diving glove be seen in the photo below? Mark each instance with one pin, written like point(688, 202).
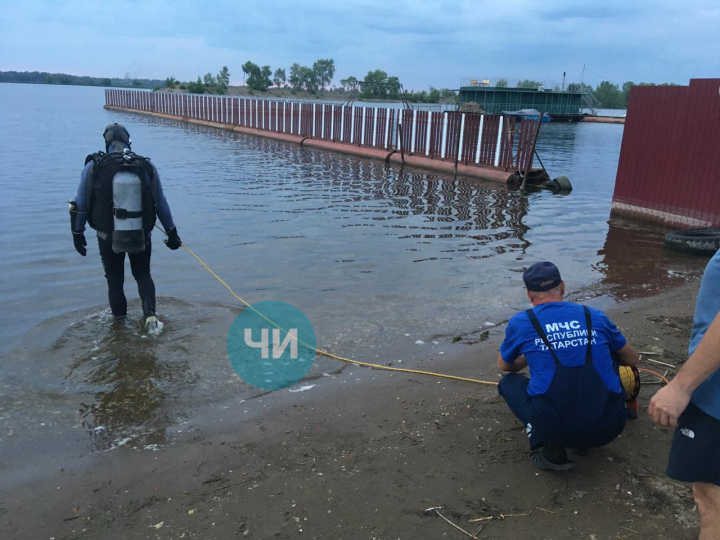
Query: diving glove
point(80, 243)
point(173, 240)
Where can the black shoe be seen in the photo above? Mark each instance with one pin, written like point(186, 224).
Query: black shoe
point(550, 458)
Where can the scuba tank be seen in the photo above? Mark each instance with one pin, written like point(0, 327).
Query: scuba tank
point(121, 195)
point(128, 235)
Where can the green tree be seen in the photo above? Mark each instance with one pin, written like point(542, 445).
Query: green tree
point(527, 83)
point(324, 70)
point(294, 78)
point(375, 84)
point(258, 78)
point(609, 95)
point(351, 83)
point(448, 93)
point(303, 78)
point(196, 87)
point(502, 83)
point(626, 92)
point(222, 80)
point(224, 76)
point(105, 81)
point(208, 80)
point(279, 77)
point(265, 80)
point(308, 79)
point(170, 82)
point(434, 95)
point(393, 87)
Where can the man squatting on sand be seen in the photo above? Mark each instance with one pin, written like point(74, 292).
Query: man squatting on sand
point(574, 397)
point(691, 402)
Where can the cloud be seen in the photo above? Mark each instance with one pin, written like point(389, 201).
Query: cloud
point(424, 43)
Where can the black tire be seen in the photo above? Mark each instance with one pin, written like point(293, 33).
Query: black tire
point(697, 241)
point(563, 183)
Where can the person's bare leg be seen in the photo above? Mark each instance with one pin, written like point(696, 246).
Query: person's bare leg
point(707, 497)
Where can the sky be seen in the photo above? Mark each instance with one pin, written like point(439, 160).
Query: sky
point(424, 43)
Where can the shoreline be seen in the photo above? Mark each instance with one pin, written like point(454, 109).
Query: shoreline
point(363, 454)
point(605, 119)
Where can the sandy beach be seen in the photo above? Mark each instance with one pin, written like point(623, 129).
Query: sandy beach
point(364, 453)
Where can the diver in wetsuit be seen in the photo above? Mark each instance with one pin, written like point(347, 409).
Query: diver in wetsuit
point(120, 196)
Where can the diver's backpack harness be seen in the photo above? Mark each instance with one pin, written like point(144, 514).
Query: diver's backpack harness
point(121, 202)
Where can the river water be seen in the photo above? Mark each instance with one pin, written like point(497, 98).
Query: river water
point(377, 257)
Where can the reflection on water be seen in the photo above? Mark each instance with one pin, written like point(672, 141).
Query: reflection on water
point(636, 264)
point(85, 372)
point(378, 257)
point(133, 382)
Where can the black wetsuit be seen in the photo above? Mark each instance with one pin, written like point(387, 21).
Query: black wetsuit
point(114, 263)
point(114, 266)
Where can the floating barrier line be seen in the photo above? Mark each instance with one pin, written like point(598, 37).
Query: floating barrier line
point(326, 353)
point(342, 358)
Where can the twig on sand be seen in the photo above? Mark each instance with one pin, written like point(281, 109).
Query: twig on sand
point(435, 509)
point(227, 486)
point(499, 516)
point(490, 506)
point(482, 527)
point(546, 510)
point(660, 363)
point(628, 529)
point(215, 478)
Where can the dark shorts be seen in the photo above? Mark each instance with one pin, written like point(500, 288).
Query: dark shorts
point(695, 451)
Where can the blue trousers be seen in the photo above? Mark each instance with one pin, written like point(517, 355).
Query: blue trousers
point(542, 430)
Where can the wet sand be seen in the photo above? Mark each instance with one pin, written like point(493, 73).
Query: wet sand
point(360, 455)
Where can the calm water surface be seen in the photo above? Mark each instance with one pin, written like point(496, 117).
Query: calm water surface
point(377, 257)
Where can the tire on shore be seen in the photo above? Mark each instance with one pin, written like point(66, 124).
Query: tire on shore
point(705, 241)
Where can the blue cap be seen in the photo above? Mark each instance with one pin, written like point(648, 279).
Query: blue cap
point(542, 276)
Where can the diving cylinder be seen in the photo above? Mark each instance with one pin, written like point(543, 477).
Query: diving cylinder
point(128, 235)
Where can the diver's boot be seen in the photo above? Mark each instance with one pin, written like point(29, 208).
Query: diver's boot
point(151, 323)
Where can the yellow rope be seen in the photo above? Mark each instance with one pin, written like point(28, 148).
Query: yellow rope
point(326, 353)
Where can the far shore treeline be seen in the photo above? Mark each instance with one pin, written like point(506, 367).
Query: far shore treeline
point(42, 77)
point(314, 81)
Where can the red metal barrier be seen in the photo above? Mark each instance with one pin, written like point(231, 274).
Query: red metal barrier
point(669, 168)
point(436, 121)
point(486, 140)
point(491, 127)
point(382, 125)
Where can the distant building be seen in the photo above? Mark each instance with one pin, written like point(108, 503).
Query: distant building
point(560, 105)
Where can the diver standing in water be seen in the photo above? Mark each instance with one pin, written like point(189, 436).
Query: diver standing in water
point(119, 196)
